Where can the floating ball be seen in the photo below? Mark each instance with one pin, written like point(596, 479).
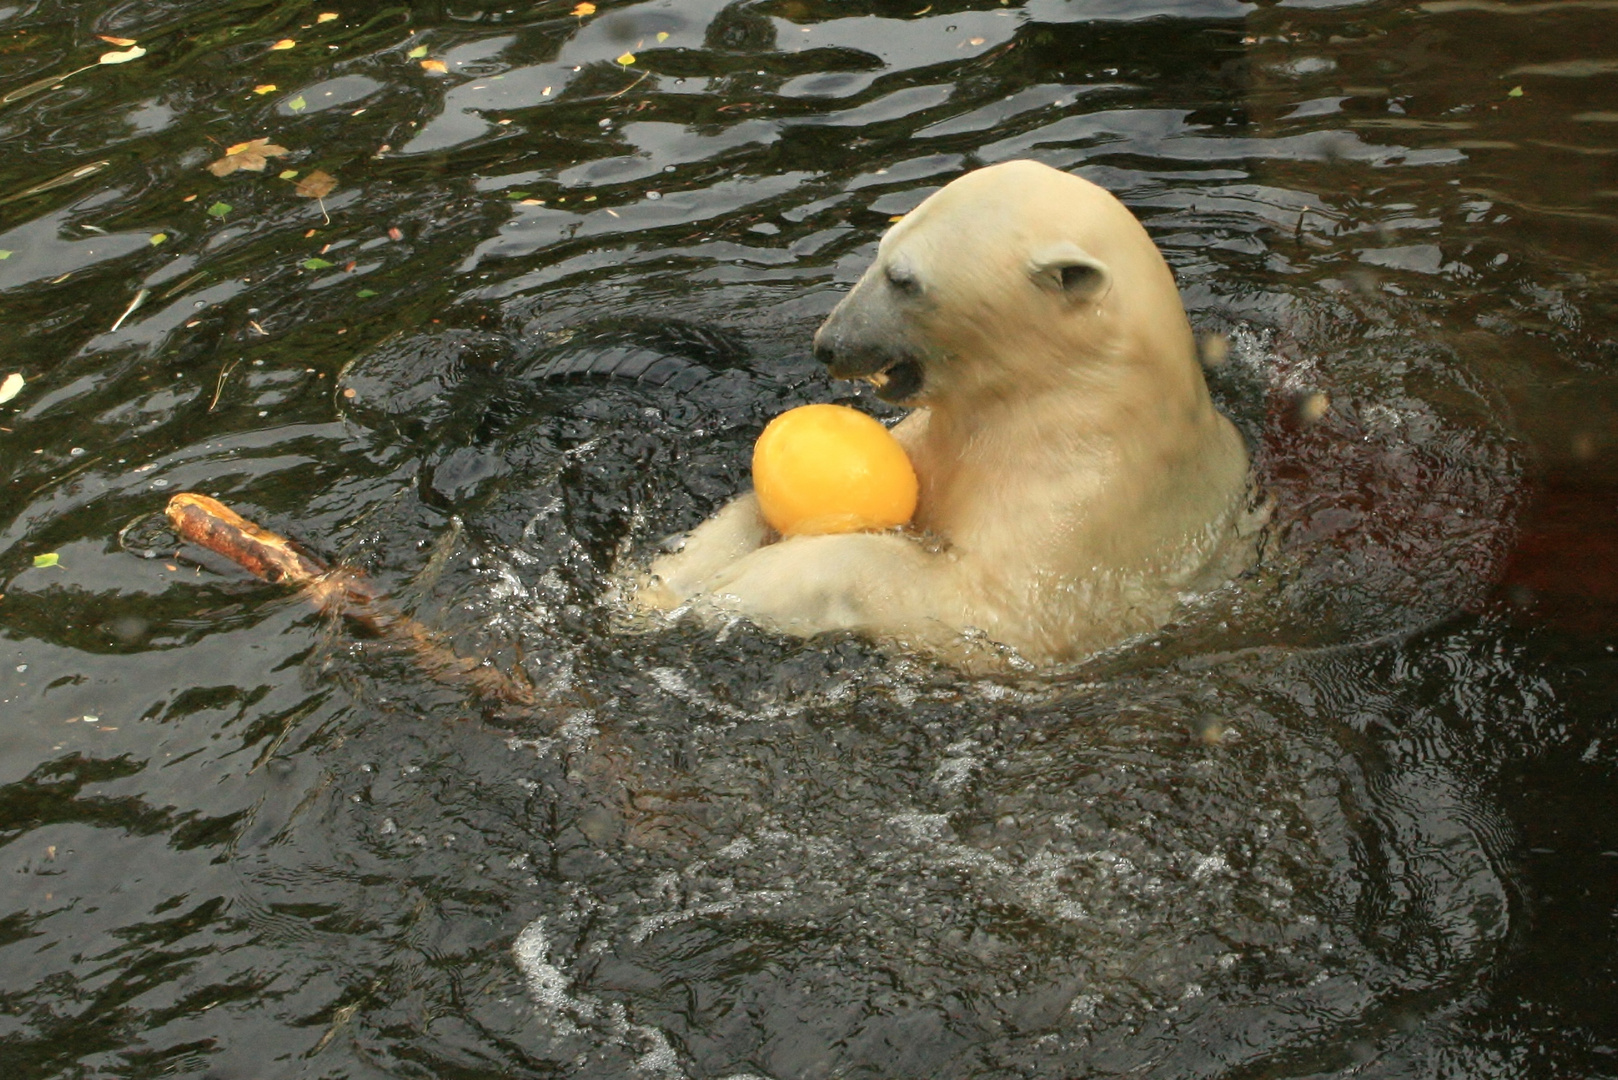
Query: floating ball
point(831, 469)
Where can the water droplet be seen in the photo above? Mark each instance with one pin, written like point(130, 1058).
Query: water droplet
point(76, 451)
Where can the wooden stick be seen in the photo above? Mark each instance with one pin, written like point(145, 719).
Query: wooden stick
point(211, 524)
point(651, 817)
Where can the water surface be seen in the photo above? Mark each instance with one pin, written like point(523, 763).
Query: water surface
point(1352, 816)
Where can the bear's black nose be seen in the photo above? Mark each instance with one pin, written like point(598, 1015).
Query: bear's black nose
point(825, 351)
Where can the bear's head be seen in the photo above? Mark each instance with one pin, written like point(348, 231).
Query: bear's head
point(1010, 280)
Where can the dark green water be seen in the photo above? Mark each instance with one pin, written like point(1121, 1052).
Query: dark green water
point(1356, 818)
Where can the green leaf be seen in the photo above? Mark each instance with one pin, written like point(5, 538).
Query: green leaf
point(517, 194)
point(48, 559)
point(219, 209)
point(316, 264)
point(1515, 91)
point(287, 174)
point(4, 254)
point(158, 238)
point(297, 104)
point(366, 294)
point(418, 52)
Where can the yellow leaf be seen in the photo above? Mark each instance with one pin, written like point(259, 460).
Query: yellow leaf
point(584, 9)
point(264, 88)
point(626, 59)
point(284, 43)
point(434, 65)
point(417, 53)
point(317, 185)
point(252, 156)
point(325, 16)
point(121, 42)
point(11, 387)
point(662, 36)
point(134, 52)
point(286, 174)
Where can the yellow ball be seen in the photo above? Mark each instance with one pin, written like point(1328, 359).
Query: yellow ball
point(831, 469)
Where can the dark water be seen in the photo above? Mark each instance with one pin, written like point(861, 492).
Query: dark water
point(1355, 817)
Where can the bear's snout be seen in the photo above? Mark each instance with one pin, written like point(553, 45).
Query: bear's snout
point(896, 373)
point(847, 354)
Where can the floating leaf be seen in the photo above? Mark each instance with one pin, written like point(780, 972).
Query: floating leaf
point(158, 238)
point(264, 88)
point(417, 53)
point(325, 16)
point(286, 174)
point(11, 387)
point(133, 53)
point(59, 181)
point(626, 59)
point(219, 209)
point(284, 43)
point(121, 42)
point(252, 156)
point(50, 558)
point(1515, 91)
point(365, 294)
point(316, 263)
point(662, 36)
point(4, 254)
point(317, 185)
point(584, 9)
point(435, 65)
point(518, 194)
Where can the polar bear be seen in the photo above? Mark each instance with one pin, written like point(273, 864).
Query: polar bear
point(1076, 480)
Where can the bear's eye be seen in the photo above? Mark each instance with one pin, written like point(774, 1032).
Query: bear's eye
point(903, 278)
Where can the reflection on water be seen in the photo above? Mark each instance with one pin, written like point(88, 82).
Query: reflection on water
point(1351, 815)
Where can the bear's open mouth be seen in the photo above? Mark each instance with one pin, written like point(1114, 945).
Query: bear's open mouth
point(897, 383)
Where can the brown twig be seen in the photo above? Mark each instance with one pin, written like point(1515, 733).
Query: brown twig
point(211, 524)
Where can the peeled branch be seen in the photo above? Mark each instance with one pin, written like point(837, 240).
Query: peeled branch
point(270, 557)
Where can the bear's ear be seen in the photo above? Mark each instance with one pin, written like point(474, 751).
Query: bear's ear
point(1069, 269)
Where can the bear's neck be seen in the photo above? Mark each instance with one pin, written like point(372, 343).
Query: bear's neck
point(1140, 452)
point(1094, 414)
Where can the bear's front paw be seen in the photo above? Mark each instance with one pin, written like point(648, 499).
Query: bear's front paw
point(808, 584)
point(734, 532)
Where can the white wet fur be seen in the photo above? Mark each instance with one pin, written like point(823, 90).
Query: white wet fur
point(1076, 480)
